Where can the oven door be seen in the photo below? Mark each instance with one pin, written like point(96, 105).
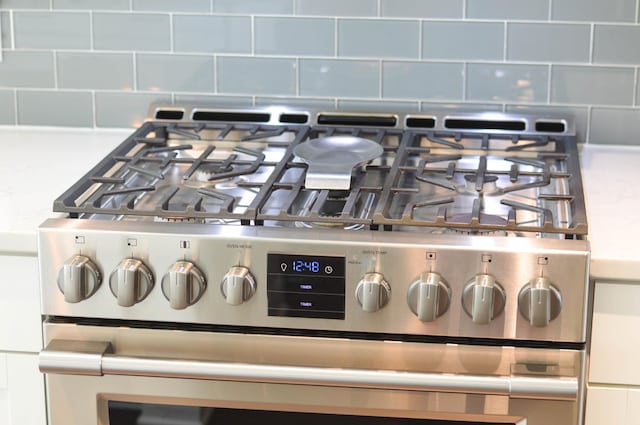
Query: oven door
point(125, 375)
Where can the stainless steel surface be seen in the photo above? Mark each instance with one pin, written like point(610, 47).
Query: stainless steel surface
point(331, 160)
point(476, 384)
point(216, 249)
point(238, 285)
point(347, 235)
point(429, 297)
point(130, 282)
point(183, 284)
point(113, 364)
point(540, 301)
point(483, 299)
point(78, 278)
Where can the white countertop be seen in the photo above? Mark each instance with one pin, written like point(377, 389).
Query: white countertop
point(38, 164)
point(611, 179)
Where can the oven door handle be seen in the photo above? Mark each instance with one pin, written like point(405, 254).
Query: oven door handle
point(97, 359)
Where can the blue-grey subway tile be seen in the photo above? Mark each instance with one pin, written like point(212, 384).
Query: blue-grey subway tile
point(548, 42)
point(507, 83)
point(212, 34)
point(458, 107)
point(131, 31)
point(296, 103)
point(615, 126)
point(592, 85)
point(7, 107)
point(52, 30)
point(214, 101)
point(200, 6)
point(422, 80)
point(24, 4)
point(508, 9)
point(27, 69)
point(91, 4)
point(594, 10)
point(378, 38)
point(163, 73)
point(95, 71)
point(463, 40)
point(430, 9)
point(114, 109)
point(337, 7)
point(378, 106)
point(616, 44)
point(339, 78)
point(254, 7)
point(5, 27)
point(295, 36)
point(579, 115)
point(256, 76)
point(55, 108)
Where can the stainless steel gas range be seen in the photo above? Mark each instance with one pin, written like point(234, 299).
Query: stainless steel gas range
point(278, 264)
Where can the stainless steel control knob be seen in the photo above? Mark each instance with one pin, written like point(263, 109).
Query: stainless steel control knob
point(429, 297)
point(238, 285)
point(539, 302)
point(183, 285)
point(483, 299)
point(373, 292)
point(130, 282)
point(78, 278)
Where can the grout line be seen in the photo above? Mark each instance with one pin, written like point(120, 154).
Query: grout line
point(637, 11)
point(12, 30)
point(465, 73)
point(592, 40)
point(55, 69)
point(211, 6)
point(335, 37)
point(171, 34)
point(550, 71)
point(135, 71)
point(94, 117)
point(635, 88)
point(464, 9)
point(505, 45)
point(15, 105)
point(215, 74)
point(297, 77)
point(380, 76)
point(253, 34)
point(550, 15)
point(92, 46)
point(420, 39)
point(587, 136)
point(379, 7)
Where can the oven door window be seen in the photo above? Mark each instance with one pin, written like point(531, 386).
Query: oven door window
point(124, 413)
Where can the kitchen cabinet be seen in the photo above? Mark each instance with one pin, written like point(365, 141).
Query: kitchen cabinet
point(22, 398)
point(613, 393)
point(21, 329)
point(22, 395)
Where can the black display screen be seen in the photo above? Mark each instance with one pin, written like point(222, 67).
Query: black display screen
point(306, 286)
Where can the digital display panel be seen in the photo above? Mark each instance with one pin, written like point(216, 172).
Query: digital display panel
point(306, 286)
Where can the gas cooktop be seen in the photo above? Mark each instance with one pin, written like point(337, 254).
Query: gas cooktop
point(476, 174)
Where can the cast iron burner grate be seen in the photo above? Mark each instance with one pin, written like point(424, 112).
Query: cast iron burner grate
point(473, 180)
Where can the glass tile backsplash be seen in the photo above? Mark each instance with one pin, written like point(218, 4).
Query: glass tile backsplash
point(105, 61)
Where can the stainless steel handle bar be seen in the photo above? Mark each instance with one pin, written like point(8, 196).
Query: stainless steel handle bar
point(97, 359)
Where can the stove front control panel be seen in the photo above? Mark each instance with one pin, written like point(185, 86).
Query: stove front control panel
point(381, 282)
